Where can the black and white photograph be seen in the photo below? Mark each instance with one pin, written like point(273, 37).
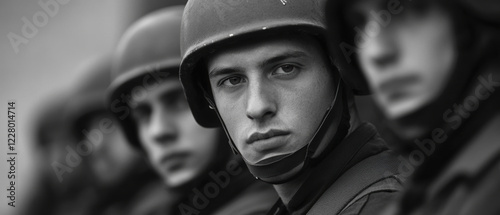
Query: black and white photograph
point(250, 107)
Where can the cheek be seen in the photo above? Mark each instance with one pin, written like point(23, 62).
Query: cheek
point(121, 150)
point(152, 150)
point(441, 67)
point(232, 113)
point(199, 140)
point(142, 131)
point(143, 138)
point(306, 106)
point(369, 70)
point(432, 60)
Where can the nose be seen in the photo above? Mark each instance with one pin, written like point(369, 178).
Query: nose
point(383, 51)
point(261, 104)
point(162, 128)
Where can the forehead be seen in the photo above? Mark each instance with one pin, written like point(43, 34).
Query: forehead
point(153, 93)
point(365, 6)
point(261, 48)
point(376, 7)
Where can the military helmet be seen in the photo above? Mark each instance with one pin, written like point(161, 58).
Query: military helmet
point(149, 46)
point(486, 10)
point(88, 97)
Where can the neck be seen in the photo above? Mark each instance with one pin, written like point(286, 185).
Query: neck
point(354, 120)
point(287, 190)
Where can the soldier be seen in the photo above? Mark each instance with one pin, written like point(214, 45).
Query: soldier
point(51, 195)
point(433, 67)
point(147, 98)
point(119, 181)
point(260, 70)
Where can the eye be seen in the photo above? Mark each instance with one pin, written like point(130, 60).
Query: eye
point(175, 100)
point(231, 81)
point(286, 69)
point(141, 112)
point(357, 19)
point(356, 15)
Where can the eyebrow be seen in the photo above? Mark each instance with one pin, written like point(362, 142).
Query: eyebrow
point(171, 92)
point(166, 94)
point(282, 56)
point(223, 71)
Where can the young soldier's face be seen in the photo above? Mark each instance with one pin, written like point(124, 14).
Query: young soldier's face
point(178, 148)
point(271, 94)
point(407, 56)
point(112, 158)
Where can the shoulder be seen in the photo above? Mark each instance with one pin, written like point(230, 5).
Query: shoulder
point(484, 191)
point(375, 198)
point(371, 200)
point(372, 183)
point(372, 203)
point(475, 193)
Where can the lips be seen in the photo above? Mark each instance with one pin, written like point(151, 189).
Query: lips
point(174, 160)
point(398, 88)
point(273, 133)
point(398, 83)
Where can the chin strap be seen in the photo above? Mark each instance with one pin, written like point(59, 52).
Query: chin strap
point(275, 172)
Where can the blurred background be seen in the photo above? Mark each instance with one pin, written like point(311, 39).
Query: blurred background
point(48, 65)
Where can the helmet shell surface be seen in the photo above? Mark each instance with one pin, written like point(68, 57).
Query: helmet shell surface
point(88, 97)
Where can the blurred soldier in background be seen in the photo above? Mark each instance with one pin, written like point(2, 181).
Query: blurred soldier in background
point(433, 67)
point(85, 164)
point(52, 196)
point(148, 100)
point(121, 181)
point(260, 70)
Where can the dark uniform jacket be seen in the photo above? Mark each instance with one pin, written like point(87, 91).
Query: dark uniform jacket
point(357, 177)
point(239, 193)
